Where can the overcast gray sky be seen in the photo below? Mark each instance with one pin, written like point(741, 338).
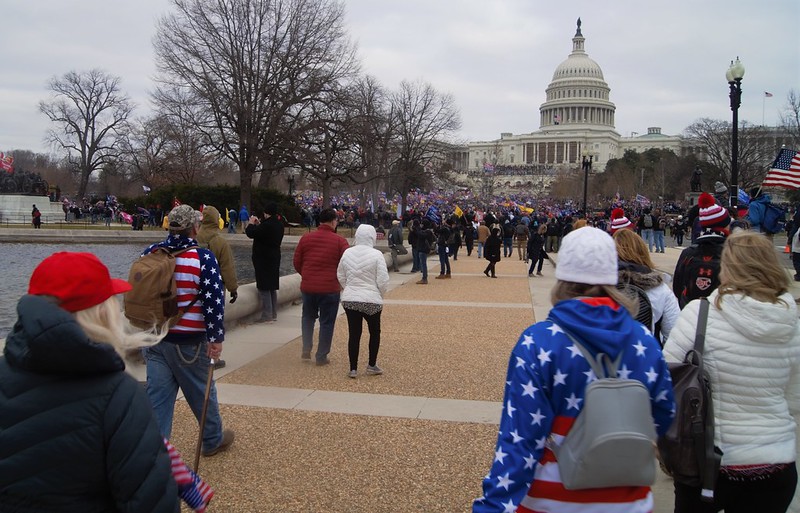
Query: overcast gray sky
point(664, 61)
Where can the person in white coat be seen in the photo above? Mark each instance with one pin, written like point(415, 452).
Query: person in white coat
point(637, 268)
point(752, 357)
point(364, 277)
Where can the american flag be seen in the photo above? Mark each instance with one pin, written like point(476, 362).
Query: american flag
point(785, 171)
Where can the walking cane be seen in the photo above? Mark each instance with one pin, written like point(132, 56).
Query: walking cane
point(203, 415)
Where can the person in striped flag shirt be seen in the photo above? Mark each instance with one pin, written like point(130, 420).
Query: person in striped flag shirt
point(546, 381)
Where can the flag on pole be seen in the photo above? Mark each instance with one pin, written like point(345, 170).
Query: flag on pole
point(767, 95)
point(7, 163)
point(744, 198)
point(433, 215)
point(458, 212)
point(642, 200)
point(488, 168)
point(785, 171)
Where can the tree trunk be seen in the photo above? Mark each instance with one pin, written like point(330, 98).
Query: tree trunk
point(245, 184)
point(83, 184)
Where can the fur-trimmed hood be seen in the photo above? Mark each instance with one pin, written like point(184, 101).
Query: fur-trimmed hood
point(639, 275)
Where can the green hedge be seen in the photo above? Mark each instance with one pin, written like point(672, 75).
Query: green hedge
point(221, 196)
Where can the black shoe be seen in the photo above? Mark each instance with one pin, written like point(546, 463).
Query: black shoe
point(219, 364)
point(486, 273)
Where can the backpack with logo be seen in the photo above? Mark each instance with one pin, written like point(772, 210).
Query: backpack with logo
point(153, 300)
point(700, 274)
point(687, 450)
point(648, 221)
point(774, 219)
point(611, 442)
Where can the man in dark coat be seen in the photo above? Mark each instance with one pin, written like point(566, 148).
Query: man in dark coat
point(267, 235)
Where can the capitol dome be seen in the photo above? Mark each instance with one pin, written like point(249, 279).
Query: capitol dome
point(578, 96)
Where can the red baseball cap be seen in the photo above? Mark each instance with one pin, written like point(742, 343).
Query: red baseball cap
point(78, 280)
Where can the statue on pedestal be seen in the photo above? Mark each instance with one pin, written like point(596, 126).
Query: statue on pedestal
point(695, 182)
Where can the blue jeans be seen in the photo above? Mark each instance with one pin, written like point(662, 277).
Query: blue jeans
point(444, 261)
point(480, 250)
point(659, 240)
point(414, 260)
point(647, 235)
point(508, 246)
point(423, 263)
point(167, 370)
point(325, 307)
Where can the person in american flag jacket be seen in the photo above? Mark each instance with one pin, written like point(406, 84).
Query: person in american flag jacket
point(546, 381)
point(183, 356)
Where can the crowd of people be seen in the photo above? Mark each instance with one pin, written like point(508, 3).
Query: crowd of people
point(608, 295)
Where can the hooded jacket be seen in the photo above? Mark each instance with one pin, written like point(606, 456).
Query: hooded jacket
point(752, 357)
point(545, 385)
point(267, 237)
point(77, 433)
point(663, 303)
point(211, 237)
point(362, 271)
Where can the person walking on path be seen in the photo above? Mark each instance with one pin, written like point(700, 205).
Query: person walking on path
point(364, 279)
point(182, 358)
point(244, 217)
point(267, 234)
point(233, 216)
point(424, 237)
point(442, 238)
point(521, 235)
point(76, 430)
point(637, 268)
point(491, 252)
point(659, 229)
point(536, 251)
point(316, 260)
point(455, 240)
point(469, 237)
point(395, 239)
point(483, 236)
point(752, 360)
point(36, 217)
point(546, 383)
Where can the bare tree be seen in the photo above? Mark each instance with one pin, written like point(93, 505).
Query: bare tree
point(756, 149)
point(251, 64)
point(423, 118)
point(790, 118)
point(91, 113)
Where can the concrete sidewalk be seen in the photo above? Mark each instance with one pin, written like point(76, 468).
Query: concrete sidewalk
point(418, 438)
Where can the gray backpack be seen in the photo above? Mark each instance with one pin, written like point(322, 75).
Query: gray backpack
point(613, 440)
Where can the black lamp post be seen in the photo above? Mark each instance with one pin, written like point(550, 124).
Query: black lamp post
point(586, 164)
point(734, 77)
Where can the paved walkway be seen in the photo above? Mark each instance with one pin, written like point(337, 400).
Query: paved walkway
point(418, 438)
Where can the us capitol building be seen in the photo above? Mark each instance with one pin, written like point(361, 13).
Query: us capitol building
point(576, 120)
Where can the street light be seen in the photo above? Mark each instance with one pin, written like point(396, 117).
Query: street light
point(586, 164)
point(734, 77)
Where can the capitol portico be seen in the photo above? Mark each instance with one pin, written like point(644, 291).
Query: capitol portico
point(576, 119)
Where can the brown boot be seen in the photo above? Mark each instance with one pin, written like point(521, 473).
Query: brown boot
point(422, 282)
point(447, 276)
point(440, 277)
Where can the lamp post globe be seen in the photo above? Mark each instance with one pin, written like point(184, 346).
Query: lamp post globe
point(734, 77)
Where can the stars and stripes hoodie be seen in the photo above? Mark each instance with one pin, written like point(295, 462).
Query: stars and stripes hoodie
point(198, 275)
point(545, 386)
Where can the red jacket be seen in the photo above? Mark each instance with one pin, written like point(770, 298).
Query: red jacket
point(317, 258)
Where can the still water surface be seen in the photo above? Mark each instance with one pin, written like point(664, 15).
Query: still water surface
point(17, 262)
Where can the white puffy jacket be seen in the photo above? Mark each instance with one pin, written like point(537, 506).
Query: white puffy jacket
point(752, 355)
point(362, 269)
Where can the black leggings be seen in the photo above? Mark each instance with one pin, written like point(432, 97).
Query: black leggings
point(355, 327)
point(773, 494)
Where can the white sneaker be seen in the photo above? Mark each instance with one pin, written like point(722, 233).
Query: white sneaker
point(374, 370)
point(353, 374)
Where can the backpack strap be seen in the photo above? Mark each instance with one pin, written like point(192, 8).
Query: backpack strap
point(710, 458)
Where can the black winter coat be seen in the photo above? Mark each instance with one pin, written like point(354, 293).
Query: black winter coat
point(267, 237)
point(77, 433)
point(491, 248)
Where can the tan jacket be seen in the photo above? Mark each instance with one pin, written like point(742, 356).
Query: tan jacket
point(483, 233)
point(210, 237)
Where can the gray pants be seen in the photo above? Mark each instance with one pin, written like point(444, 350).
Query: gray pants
point(269, 305)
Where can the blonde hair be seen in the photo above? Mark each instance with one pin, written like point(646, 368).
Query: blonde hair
point(750, 266)
point(570, 290)
point(632, 248)
point(542, 229)
point(580, 223)
point(105, 323)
